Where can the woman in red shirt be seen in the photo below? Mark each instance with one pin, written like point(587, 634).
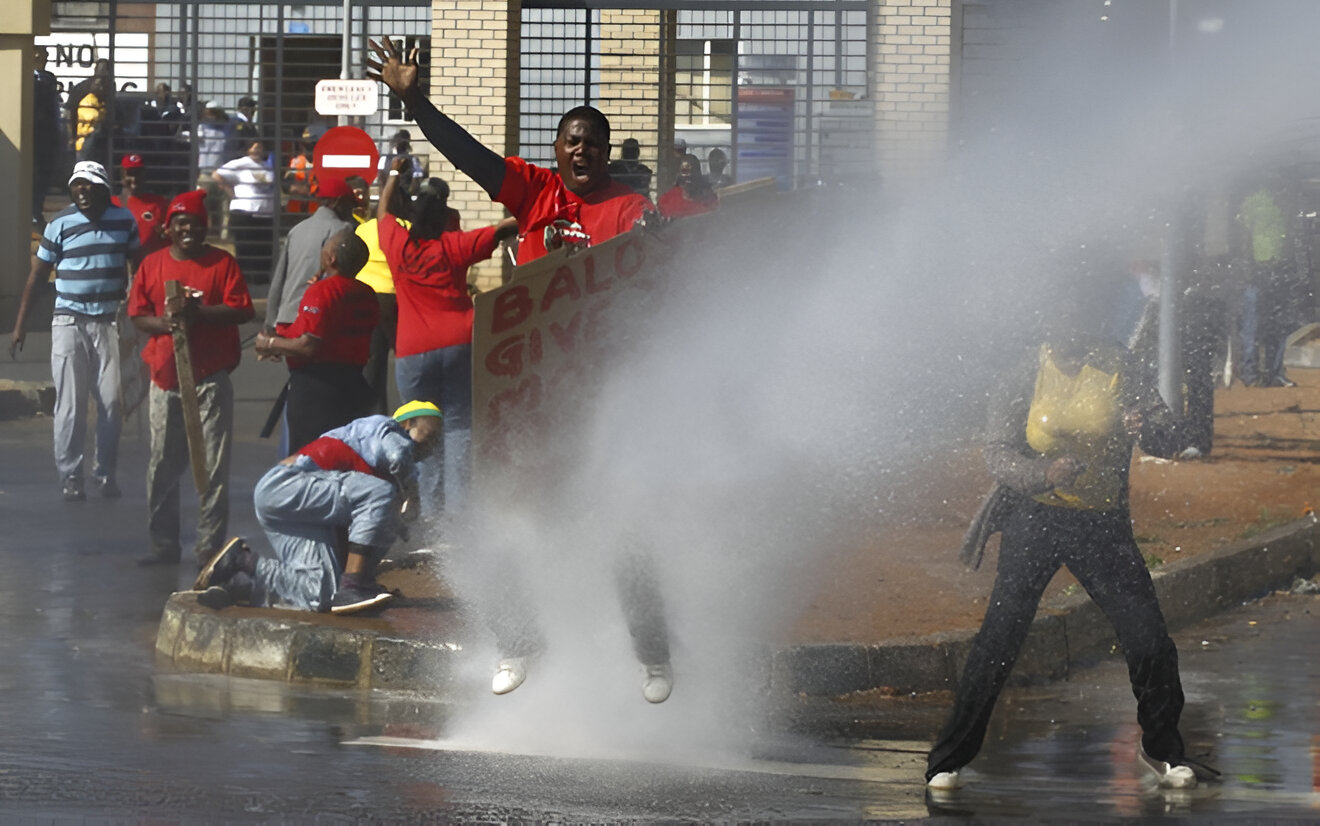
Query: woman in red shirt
point(433, 342)
point(691, 194)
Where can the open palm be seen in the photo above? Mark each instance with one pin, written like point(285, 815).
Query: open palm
point(387, 63)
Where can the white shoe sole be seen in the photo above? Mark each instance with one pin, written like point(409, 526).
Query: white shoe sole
point(656, 687)
point(945, 782)
point(355, 607)
point(1169, 777)
point(510, 674)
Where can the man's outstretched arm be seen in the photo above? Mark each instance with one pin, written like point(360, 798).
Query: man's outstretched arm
point(465, 152)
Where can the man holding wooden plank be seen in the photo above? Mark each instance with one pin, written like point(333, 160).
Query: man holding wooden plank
point(191, 413)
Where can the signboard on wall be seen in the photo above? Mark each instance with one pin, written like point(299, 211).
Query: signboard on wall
point(764, 145)
point(352, 96)
point(72, 55)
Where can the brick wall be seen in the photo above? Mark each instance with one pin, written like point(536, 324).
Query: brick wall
point(633, 94)
point(474, 80)
point(911, 70)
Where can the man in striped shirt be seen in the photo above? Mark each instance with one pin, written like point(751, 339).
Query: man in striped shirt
point(89, 246)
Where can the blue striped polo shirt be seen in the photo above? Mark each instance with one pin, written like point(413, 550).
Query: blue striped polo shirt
point(89, 259)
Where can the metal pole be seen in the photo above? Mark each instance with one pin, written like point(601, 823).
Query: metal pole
point(811, 89)
point(733, 94)
point(1171, 267)
point(1172, 264)
point(346, 50)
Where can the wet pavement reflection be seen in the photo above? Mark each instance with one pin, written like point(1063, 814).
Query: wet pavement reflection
point(91, 729)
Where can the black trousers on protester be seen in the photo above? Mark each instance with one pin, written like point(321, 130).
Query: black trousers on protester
point(382, 342)
point(323, 397)
point(1099, 550)
point(254, 244)
point(516, 627)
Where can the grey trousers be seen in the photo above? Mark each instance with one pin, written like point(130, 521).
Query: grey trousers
point(169, 458)
point(302, 512)
point(84, 358)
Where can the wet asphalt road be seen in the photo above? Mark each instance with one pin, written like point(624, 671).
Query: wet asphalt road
point(90, 732)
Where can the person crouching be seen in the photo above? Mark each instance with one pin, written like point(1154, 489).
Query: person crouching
point(361, 478)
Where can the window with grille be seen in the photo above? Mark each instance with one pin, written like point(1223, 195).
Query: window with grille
point(703, 82)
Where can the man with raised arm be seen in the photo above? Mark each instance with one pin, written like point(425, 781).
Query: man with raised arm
point(577, 205)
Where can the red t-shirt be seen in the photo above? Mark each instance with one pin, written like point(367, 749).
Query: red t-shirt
point(342, 313)
point(536, 196)
point(674, 204)
point(213, 347)
point(329, 453)
point(430, 281)
point(149, 210)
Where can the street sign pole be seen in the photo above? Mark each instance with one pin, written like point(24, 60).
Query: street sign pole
point(346, 50)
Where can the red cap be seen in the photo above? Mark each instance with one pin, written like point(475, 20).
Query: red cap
point(192, 202)
point(332, 188)
point(132, 162)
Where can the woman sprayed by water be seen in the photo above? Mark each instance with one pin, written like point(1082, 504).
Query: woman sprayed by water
point(1059, 440)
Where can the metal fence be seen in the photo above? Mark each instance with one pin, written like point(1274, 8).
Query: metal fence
point(194, 84)
point(779, 87)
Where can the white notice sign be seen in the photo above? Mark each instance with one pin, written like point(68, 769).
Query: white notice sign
point(347, 97)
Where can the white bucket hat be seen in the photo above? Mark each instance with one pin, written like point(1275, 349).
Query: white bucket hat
point(90, 171)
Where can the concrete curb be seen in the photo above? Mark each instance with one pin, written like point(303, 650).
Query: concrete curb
point(301, 648)
point(20, 399)
point(379, 654)
point(1066, 632)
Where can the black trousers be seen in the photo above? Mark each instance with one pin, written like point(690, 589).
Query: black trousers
point(323, 397)
point(382, 342)
point(1099, 550)
point(253, 244)
point(517, 631)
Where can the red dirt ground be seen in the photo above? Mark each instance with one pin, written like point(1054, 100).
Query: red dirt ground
point(904, 581)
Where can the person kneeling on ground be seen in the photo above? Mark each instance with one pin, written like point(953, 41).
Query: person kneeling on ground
point(361, 478)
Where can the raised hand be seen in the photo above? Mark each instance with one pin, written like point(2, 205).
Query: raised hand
point(389, 66)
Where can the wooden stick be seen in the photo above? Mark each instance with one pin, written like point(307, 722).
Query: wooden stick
point(192, 413)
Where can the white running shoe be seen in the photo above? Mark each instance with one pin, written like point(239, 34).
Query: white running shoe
point(509, 675)
point(1169, 776)
point(658, 682)
point(945, 782)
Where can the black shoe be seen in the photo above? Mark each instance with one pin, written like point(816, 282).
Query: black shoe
point(109, 489)
point(73, 490)
point(222, 566)
point(354, 599)
point(1282, 381)
point(215, 598)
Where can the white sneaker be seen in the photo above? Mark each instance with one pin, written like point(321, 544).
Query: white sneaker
point(658, 682)
point(509, 675)
point(1169, 776)
point(945, 782)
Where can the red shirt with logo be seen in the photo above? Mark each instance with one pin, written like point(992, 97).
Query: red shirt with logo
point(213, 347)
point(537, 197)
point(430, 281)
point(342, 313)
point(149, 210)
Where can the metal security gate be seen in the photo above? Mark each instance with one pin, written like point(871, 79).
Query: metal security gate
point(779, 89)
point(181, 72)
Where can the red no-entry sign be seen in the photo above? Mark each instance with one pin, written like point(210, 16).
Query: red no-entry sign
point(344, 151)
